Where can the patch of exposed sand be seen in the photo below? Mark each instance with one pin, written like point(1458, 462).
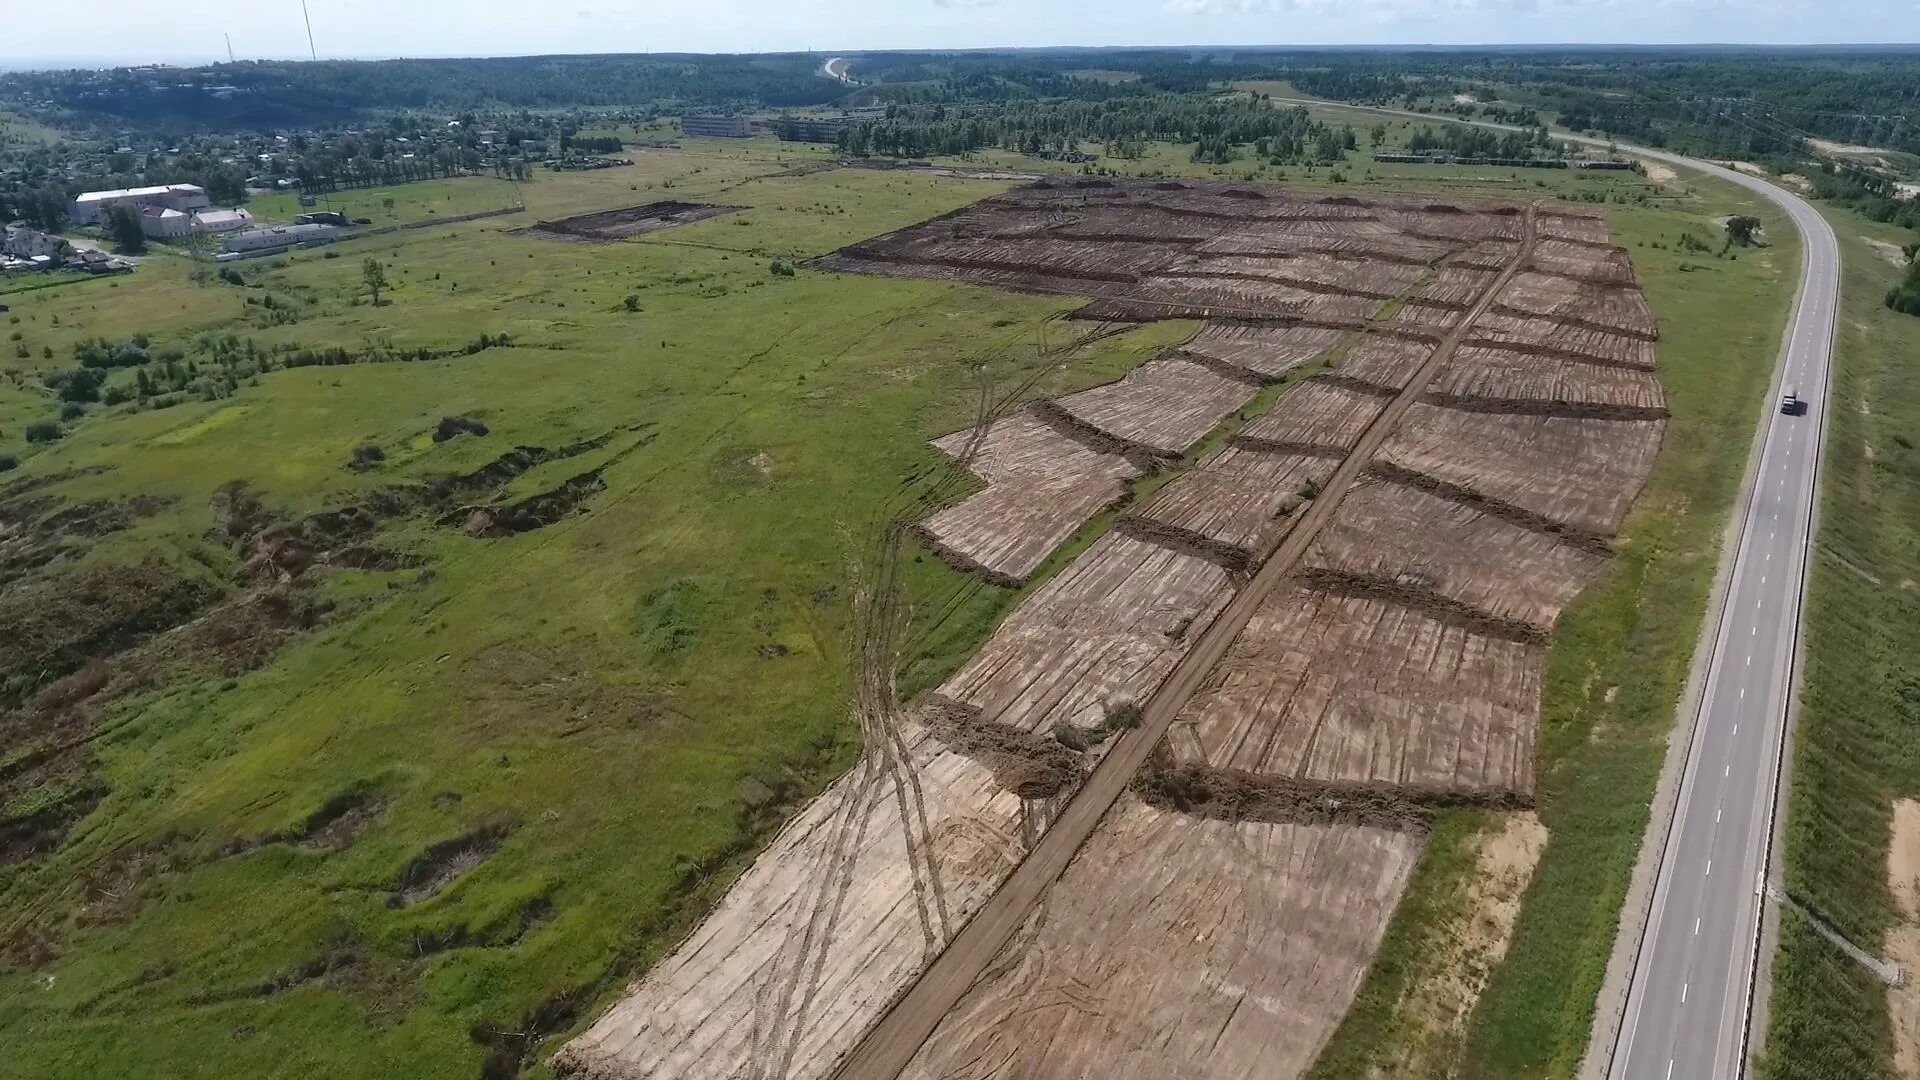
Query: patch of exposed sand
point(1797, 182)
point(1658, 173)
point(1828, 146)
point(1903, 942)
point(1440, 998)
point(1747, 167)
point(1889, 252)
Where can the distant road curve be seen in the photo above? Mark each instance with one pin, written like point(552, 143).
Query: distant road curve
point(836, 69)
point(1688, 1012)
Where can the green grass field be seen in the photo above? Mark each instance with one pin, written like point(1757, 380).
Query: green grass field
point(1619, 659)
point(638, 694)
point(1857, 745)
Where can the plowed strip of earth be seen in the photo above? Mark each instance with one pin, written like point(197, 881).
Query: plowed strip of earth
point(890, 1045)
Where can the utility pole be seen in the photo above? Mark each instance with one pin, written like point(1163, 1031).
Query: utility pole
point(311, 51)
point(229, 38)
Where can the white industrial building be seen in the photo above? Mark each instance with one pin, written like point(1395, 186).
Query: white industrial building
point(256, 242)
point(91, 207)
point(164, 223)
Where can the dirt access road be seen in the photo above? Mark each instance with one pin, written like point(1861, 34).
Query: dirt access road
point(891, 1044)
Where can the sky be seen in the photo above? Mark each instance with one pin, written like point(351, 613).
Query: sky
point(38, 33)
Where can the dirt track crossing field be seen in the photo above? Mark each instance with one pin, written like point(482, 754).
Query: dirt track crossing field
point(1339, 616)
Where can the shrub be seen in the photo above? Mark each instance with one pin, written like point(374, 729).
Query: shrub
point(366, 456)
point(452, 426)
point(43, 431)
point(8, 463)
point(72, 410)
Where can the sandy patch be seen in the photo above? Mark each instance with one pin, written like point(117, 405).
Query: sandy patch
point(1658, 173)
point(1465, 99)
point(1747, 167)
point(1889, 252)
point(1903, 942)
point(1443, 995)
point(1797, 182)
point(1828, 146)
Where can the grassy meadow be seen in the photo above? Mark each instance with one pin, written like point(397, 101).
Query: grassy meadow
point(632, 697)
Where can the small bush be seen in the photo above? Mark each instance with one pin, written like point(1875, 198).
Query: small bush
point(8, 463)
point(72, 410)
point(453, 426)
point(366, 456)
point(43, 431)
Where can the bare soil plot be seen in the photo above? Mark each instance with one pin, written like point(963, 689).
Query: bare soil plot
point(1582, 473)
point(1385, 361)
point(1102, 634)
point(1311, 272)
point(1161, 407)
point(1606, 265)
point(1417, 317)
point(1903, 938)
point(1266, 350)
point(1378, 243)
point(1319, 415)
point(1240, 499)
point(1359, 687)
point(1486, 254)
point(1423, 540)
point(1041, 486)
point(1497, 379)
point(835, 918)
point(1565, 223)
point(1547, 337)
point(628, 222)
point(1232, 951)
point(1619, 310)
point(1454, 287)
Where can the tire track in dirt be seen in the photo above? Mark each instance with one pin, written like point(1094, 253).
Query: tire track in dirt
point(890, 1044)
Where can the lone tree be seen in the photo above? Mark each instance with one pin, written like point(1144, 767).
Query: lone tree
point(1740, 229)
point(123, 226)
point(375, 276)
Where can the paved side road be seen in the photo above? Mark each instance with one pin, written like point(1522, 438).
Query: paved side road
point(1689, 1006)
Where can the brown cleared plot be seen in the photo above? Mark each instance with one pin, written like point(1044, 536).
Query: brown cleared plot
point(1606, 265)
point(1455, 287)
point(1105, 632)
point(1316, 415)
point(1385, 361)
point(1582, 473)
point(1324, 686)
point(1267, 351)
point(838, 915)
point(1380, 244)
point(631, 221)
point(1241, 498)
point(1163, 406)
point(1486, 255)
point(1041, 486)
point(1458, 227)
point(1504, 378)
point(1464, 553)
point(1549, 338)
point(1621, 310)
point(1232, 952)
point(1563, 223)
point(1310, 272)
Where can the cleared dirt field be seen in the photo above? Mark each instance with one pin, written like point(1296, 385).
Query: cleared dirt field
point(1384, 362)
point(1548, 338)
point(1267, 351)
point(1041, 486)
point(1392, 531)
point(1161, 408)
point(1619, 310)
point(632, 221)
point(1477, 376)
point(1581, 473)
point(1336, 686)
point(1240, 499)
point(1231, 953)
point(1319, 415)
point(1094, 640)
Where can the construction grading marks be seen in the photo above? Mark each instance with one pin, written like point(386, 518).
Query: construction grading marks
point(1222, 930)
point(1232, 951)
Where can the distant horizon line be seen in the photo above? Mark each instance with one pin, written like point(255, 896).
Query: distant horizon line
point(23, 64)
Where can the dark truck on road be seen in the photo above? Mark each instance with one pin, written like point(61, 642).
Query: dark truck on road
point(1792, 405)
